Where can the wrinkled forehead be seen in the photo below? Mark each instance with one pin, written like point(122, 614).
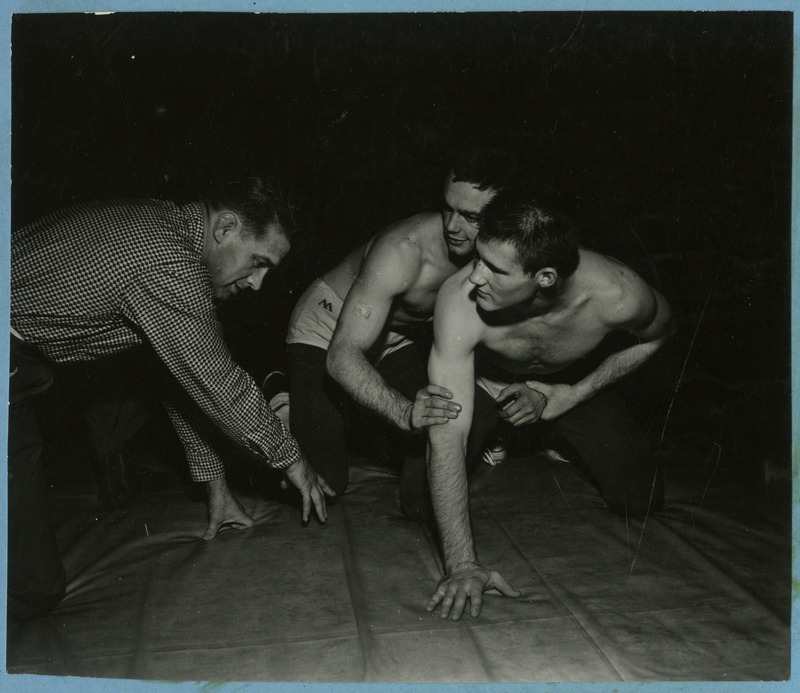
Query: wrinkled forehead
point(464, 196)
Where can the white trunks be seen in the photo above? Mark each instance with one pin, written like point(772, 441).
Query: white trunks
point(315, 316)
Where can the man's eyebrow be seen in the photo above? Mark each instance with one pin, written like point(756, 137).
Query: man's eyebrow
point(492, 267)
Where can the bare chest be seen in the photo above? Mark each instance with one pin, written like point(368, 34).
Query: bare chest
point(415, 305)
point(542, 345)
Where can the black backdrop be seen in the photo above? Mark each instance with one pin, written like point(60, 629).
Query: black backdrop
point(668, 136)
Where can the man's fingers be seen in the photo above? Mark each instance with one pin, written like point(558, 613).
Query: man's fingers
point(324, 485)
point(434, 409)
point(447, 604)
point(211, 531)
point(435, 420)
point(438, 391)
point(501, 585)
point(507, 391)
point(476, 601)
point(319, 506)
point(458, 605)
point(306, 507)
point(437, 597)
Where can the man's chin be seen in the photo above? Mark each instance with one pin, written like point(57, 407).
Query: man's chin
point(460, 255)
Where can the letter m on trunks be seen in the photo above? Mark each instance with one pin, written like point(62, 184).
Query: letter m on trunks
point(327, 305)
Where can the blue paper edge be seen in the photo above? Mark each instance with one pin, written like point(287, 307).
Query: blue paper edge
point(18, 683)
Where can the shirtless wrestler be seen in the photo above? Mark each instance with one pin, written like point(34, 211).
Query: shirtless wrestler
point(359, 332)
point(523, 317)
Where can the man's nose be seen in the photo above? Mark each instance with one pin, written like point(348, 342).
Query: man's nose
point(451, 221)
point(255, 279)
point(477, 276)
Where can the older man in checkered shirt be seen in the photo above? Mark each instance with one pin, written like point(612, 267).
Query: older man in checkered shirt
point(97, 279)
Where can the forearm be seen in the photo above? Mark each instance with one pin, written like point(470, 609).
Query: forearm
point(204, 463)
point(208, 389)
point(450, 496)
point(614, 368)
point(349, 367)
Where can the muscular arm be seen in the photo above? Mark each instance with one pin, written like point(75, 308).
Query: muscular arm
point(456, 334)
point(451, 363)
point(387, 272)
point(645, 314)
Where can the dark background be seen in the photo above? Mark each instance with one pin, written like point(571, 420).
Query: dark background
point(668, 136)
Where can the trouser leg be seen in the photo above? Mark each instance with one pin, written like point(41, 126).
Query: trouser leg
point(36, 576)
point(484, 421)
point(405, 370)
point(318, 414)
point(615, 453)
point(117, 395)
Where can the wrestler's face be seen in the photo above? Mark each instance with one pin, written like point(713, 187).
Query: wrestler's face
point(463, 203)
point(240, 260)
point(500, 281)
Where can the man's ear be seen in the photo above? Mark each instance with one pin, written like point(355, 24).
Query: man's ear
point(225, 222)
point(546, 277)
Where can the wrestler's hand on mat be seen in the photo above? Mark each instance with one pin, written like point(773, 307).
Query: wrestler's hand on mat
point(560, 398)
point(312, 488)
point(468, 581)
point(223, 509)
point(431, 407)
point(521, 404)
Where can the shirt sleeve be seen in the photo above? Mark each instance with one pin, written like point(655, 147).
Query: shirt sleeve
point(173, 308)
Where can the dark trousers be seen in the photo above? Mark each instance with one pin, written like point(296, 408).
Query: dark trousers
point(36, 576)
point(602, 441)
point(325, 421)
point(117, 395)
point(112, 394)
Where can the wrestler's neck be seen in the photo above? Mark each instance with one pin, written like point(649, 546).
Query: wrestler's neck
point(544, 301)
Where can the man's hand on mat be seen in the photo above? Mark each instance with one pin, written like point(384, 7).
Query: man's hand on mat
point(467, 582)
point(521, 404)
point(224, 510)
point(312, 487)
point(431, 407)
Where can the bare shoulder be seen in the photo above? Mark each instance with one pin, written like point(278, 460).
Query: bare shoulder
point(619, 294)
point(456, 312)
point(400, 246)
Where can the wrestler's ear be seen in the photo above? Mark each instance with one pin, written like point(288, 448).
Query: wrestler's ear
point(225, 222)
point(546, 277)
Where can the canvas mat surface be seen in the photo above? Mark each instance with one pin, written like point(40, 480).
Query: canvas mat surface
point(698, 591)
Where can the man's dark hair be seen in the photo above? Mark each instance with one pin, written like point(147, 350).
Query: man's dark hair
point(485, 167)
point(542, 236)
point(258, 204)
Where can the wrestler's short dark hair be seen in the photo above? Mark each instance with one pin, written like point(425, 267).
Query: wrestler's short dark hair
point(485, 167)
point(257, 202)
point(542, 236)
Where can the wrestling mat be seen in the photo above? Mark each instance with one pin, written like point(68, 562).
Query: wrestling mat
point(698, 591)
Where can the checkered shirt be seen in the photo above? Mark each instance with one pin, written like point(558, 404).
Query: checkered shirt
point(96, 279)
